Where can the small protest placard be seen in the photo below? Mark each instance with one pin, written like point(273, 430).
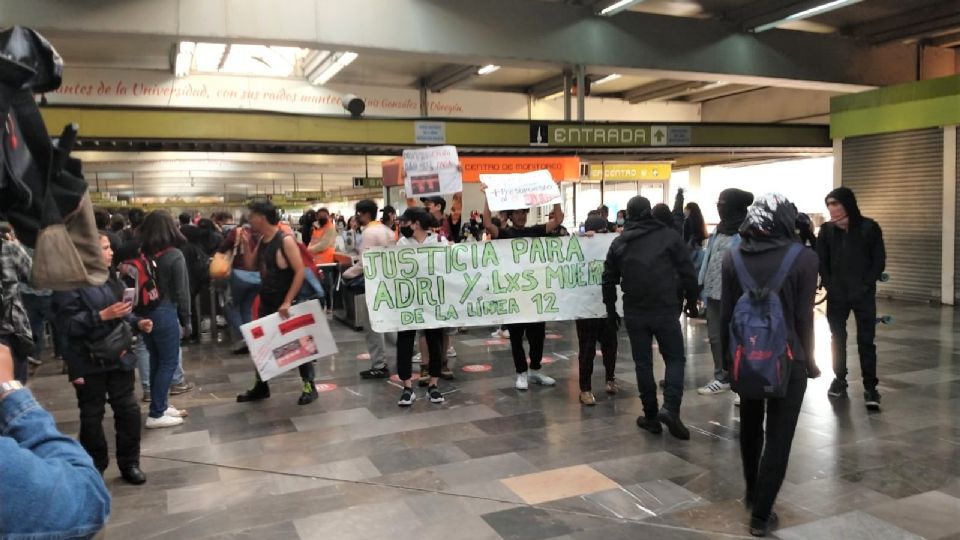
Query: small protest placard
point(432, 171)
point(522, 190)
point(278, 345)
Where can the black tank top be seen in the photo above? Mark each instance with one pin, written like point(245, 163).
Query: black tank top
point(274, 281)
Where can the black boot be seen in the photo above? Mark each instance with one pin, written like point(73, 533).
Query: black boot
point(763, 527)
point(309, 393)
point(133, 475)
point(260, 390)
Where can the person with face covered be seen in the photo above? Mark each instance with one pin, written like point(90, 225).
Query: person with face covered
point(768, 233)
point(852, 259)
point(732, 208)
point(649, 261)
point(536, 332)
point(593, 331)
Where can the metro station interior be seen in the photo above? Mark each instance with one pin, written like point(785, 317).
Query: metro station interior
point(204, 106)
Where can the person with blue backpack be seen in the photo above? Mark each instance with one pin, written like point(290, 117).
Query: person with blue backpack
point(769, 283)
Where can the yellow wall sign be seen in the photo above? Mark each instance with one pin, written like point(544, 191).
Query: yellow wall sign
point(629, 172)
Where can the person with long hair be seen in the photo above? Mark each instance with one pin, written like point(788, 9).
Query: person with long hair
point(161, 239)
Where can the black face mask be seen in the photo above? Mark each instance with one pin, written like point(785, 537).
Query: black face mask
point(406, 231)
point(322, 221)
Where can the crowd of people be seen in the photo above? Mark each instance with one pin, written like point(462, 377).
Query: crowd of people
point(662, 259)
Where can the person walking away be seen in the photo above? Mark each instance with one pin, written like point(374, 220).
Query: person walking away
point(536, 332)
point(593, 331)
point(322, 246)
point(86, 316)
point(198, 273)
point(732, 208)
point(647, 260)
point(282, 275)
point(171, 314)
point(416, 230)
point(852, 260)
point(768, 236)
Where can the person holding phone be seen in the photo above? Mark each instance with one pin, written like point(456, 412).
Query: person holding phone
point(86, 316)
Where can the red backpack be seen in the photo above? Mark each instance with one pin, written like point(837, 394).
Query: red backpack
point(140, 273)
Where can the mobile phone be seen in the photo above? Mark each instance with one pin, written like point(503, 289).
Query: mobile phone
point(129, 295)
point(583, 230)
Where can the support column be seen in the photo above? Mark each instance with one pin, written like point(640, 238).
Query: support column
point(948, 242)
point(581, 91)
point(424, 100)
point(693, 188)
point(837, 163)
point(567, 106)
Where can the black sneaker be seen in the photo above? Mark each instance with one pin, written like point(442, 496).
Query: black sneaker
point(838, 388)
point(676, 427)
point(871, 397)
point(407, 397)
point(764, 527)
point(435, 395)
point(309, 394)
point(650, 424)
point(382, 373)
point(181, 388)
point(260, 390)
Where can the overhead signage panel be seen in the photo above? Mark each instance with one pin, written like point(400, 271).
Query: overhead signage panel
point(630, 172)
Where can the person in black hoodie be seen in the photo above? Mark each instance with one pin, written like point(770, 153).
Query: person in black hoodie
point(852, 259)
point(767, 234)
point(646, 261)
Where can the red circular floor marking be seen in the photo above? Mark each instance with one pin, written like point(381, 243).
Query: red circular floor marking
point(554, 336)
point(477, 368)
point(363, 357)
point(413, 376)
point(547, 360)
point(326, 387)
point(497, 342)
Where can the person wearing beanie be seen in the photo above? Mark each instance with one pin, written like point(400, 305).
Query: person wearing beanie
point(647, 260)
point(593, 331)
point(732, 208)
point(852, 259)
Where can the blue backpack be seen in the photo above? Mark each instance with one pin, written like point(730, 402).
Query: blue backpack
point(758, 334)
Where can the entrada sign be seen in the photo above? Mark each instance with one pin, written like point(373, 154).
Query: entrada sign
point(610, 135)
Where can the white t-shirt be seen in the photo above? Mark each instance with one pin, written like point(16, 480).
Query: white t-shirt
point(430, 239)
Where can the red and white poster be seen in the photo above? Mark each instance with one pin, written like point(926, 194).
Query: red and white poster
point(278, 345)
point(523, 190)
point(432, 171)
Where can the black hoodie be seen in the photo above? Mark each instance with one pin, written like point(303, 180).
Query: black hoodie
point(852, 260)
point(650, 262)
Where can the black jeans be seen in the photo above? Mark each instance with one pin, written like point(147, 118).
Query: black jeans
point(405, 342)
point(765, 457)
point(589, 333)
point(865, 314)
point(536, 334)
point(117, 388)
point(715, 332)
point(666, 328)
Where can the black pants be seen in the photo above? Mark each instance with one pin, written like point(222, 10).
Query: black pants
point(865, 314)
point(765, 457)
point(269, 308)
point(589, 333)
point(405, 342)
point(666, 328)
point(117, 388)
point(536, 334)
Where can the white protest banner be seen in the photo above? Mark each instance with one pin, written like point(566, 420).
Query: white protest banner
point(432, 171)
point(523, 190)
point(486, 284)
point(278, 345)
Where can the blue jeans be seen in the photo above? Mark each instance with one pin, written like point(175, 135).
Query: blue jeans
point(143, 365)
point(242, 295)
point(164, 346)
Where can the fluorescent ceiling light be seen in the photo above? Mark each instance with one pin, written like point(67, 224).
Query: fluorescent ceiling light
point(807, 13)
point(184, 59)
point(617, 7)
point(487, 69)
point(239, 59)
point(608, 78)
point(330, 67)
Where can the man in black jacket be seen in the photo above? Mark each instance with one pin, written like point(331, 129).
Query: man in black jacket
point(647, 260)
point(852, 259)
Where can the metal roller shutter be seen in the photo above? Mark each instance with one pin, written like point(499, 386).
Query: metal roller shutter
point(898, 180)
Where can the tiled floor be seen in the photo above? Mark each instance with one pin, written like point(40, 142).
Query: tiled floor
point(494, 463)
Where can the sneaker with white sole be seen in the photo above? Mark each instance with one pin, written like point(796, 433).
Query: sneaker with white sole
point(736, 400)
point(416, 358)
point(715, 387)
point(538, 378)
point(407, 397)
point(451, 352)
point(522, 381)
point(175, 412)
point(434, 394)
point(163, 422)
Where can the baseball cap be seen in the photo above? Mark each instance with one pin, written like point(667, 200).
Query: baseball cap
point(436, 199)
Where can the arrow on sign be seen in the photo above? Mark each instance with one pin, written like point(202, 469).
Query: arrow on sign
point(659, 136)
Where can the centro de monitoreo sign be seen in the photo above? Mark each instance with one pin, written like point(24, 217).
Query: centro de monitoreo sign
point(485, 284)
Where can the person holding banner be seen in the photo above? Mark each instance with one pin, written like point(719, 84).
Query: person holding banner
point(536, 332)
point(592, 331)
point(415, 230)
point(646, 261)
point(282, 275)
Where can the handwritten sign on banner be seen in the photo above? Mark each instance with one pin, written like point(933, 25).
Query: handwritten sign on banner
point(432, 171)
point(485, 284)
point(516, 191)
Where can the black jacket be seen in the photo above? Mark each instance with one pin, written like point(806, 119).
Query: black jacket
point(650, 262)
point(851, 261)
point(78, 316)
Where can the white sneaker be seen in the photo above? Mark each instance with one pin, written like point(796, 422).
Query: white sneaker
point(715, 387)
point(736, 400)
point(175, 412)
point(163, 421)
point(522, 383)
point(538, 378)
point(499, 334)
point(505, 334)
point(451, 352)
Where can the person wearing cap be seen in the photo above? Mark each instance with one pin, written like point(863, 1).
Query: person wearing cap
point(646, 261)
point(593, 331)
point(416, 230)
point(536, 332)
